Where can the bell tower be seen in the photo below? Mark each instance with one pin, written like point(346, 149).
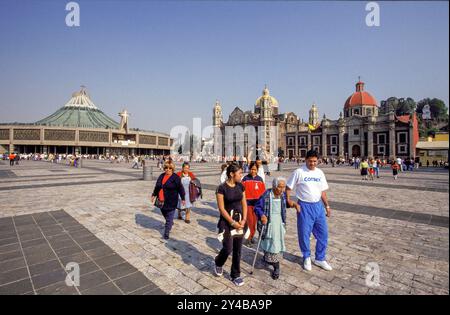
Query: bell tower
point(313, 115)
point(217, 114)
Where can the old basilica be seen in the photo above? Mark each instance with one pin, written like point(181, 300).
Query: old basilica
point(363, 129)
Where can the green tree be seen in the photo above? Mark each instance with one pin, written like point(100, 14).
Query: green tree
point(401, 106)
point(405, 106)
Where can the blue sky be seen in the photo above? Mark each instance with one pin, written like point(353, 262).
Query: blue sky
point(167, 62)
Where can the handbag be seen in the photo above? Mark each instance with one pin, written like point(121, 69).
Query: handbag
point(158, 203)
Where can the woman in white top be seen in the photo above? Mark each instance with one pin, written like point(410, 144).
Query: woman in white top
point(186, 177)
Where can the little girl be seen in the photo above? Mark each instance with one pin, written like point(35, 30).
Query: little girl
point(371, 170)
point(395, 168)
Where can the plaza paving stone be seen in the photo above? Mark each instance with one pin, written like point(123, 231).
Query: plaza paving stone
point(39, 268)
point(100, 216)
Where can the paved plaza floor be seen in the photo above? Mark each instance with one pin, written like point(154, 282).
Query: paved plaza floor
point(100, 216)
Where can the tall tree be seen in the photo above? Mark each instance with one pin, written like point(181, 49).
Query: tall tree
point(401, 106)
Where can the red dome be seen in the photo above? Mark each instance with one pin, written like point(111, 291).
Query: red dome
point(360, 97)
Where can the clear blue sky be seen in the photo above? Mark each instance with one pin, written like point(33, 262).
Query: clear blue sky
point(167, 62)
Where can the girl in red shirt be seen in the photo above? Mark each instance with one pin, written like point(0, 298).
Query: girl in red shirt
point(254, 188)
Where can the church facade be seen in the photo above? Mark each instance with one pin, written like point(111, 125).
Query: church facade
point(232, 139)
point(363, 129)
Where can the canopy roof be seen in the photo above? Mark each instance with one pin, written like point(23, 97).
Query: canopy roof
point(80, 112)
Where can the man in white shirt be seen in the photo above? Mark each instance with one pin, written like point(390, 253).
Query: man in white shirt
point(309, 184)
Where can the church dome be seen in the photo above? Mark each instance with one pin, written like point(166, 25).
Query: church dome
point(79, 112)
point(266, 95)
point(360, 97)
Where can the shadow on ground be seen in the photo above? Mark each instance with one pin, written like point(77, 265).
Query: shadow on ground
point(191, 255)
point(205, 211)
point(149, 223)
point(210, 226)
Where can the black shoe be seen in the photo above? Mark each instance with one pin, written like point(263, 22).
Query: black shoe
point(166, 236)
point(275, 275)
point(276, 271)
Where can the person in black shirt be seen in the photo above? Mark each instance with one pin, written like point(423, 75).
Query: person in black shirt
point(233, 216)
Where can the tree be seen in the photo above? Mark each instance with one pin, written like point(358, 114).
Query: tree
point(401, 106)
point(406, 106)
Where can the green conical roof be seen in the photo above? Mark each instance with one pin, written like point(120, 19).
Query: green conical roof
point(80, 112)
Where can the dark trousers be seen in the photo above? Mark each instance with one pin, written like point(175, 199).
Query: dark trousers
point(11, 162)
point(231, 245)
point(168, 215)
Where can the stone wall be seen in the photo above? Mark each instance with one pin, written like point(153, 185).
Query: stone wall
point(59, 135)
point(143, 139)
point(27, 134)
point(163, 141)
point(4, 134)
point(93, 136)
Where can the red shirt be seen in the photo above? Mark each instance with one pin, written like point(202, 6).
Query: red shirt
point(161, 192)
point(254, 188)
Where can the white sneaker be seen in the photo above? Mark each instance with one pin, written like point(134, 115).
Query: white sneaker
point(307, 264)
point(323, 264)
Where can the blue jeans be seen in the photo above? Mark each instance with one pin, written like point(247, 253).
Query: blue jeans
point(377, 169)
point(168, 215)
point(312, 219)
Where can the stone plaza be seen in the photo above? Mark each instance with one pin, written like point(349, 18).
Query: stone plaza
point(100, 217)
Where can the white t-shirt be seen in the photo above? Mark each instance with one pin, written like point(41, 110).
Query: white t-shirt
point(399, 161)
point(308, 185)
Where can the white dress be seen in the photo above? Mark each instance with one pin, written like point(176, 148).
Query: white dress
point(185, 181)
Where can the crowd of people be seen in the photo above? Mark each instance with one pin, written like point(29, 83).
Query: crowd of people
point(246, 206)
point(370, 168)
point(136, 161)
